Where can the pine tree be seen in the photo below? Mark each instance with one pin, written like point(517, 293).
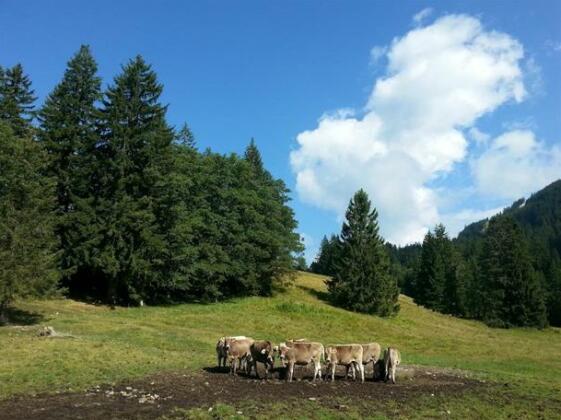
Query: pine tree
point(327, 257)
point(253, 156)
point(28, 256)
point(362, 281)
point(16, 99)
point(438, 285)
point(134, 207)
point(512, 294)
point(185, 137)
point(429, 283)
point(69, 134)
point(271, 229)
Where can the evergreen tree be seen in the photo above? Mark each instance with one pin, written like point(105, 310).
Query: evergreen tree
point(69, 134)
point(253, 156)
point(328, 255)
point(271, 227)
point(440, 279)
point(430, 279)
point(512, 294)
point(16, 99)
point(185, 137)
point(27, 242)
point(133, 205)
point(362, 281)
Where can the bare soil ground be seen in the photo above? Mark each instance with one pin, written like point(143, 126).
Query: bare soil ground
point(157, 395)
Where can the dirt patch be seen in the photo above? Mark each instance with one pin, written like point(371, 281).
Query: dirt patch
point(157, 395)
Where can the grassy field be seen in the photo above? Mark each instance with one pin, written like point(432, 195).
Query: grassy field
point(111, 345)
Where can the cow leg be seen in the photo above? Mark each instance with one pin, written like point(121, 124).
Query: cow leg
point(353, 370)
point(361, 368)
point(393, 374)
point(387, 371)
point(290, 372)
point(255, 367)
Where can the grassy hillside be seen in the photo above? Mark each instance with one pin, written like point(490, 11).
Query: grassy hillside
point(131, 342)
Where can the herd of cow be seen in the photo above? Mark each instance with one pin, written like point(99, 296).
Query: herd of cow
point(244, 353)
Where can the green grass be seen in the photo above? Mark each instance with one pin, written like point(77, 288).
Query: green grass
point(111, 345)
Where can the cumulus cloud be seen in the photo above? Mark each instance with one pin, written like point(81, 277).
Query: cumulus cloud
point(419, 17)
point(439, 80)
point(516, 164)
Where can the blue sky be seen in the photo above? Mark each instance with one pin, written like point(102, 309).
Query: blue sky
point(443, 111)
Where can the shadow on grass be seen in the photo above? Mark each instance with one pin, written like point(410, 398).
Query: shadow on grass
point(15, 316)
point(323, 296)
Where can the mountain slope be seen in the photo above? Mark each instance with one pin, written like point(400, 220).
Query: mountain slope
point(540, 218)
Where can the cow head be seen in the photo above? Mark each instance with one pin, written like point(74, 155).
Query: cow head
point(330, 356)
point(282, 352)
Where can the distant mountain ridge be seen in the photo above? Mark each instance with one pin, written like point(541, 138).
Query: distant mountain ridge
point(539, 210)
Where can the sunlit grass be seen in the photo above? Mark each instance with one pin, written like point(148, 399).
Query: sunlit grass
point(110, 345)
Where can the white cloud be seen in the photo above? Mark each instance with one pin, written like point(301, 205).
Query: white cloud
point(439, 80)
point(479, 137)
point(516, 164)
point(377, 52)
point(419, 17)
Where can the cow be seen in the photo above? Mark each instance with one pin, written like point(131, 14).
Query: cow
point(262, 352)
point(371, 354)
point(346, 355)
point(392, 359)
point(221, 348)
point(238, 353)
point(299, 353)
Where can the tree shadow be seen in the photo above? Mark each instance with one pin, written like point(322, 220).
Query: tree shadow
point(15, 316)
point(323, 296)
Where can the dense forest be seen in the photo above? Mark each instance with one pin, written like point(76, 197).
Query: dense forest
point(100, 197)
point(505, 270)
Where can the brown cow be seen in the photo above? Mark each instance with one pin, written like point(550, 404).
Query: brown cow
point(371, 354)
point(346, 355)
point(298, 353)
point(237, 351)
point(392, 359)
point(221, 348)
point(262, 352)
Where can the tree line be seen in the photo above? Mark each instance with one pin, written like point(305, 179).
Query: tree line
point(101, 197)
point(505, 270)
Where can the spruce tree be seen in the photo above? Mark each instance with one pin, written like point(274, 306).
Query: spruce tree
point(28, 257)
point(253, 156)
point(429, 283)
point(185, 137)
point(134, 202)
point(327, 257)
point(362, 281)
point(271, 227)
point(69, 134)
point(16, 99)
point(512, 294)
point(438, 285)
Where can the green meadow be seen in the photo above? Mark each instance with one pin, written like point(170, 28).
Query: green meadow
point(111, 345)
